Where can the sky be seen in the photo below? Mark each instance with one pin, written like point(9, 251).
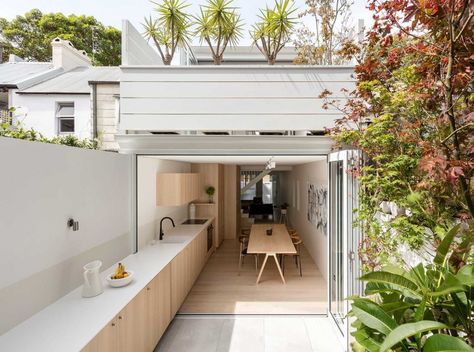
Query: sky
point(111, 12)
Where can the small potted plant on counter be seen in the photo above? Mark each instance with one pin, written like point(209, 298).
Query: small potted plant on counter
point(210, 193)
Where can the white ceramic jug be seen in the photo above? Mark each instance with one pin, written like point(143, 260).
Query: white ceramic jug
point(92, 281)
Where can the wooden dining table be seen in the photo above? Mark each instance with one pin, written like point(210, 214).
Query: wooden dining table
point(278, 243)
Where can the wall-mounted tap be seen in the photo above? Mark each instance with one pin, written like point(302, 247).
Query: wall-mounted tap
point(161, 225)
point(73, 224)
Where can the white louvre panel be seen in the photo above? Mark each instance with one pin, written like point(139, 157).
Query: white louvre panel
point(239, 98)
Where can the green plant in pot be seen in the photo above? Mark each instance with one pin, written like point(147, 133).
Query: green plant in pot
point(210, 193)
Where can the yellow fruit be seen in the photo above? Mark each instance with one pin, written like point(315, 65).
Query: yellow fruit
point(119, 272)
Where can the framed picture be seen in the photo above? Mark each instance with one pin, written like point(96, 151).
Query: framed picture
point(317, 206)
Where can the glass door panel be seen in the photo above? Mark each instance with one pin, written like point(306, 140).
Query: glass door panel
point(344, 238)
point(336, 242)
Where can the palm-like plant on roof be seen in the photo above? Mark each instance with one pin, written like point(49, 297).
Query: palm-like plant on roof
point(274, 29)
point(170, 30)
point(219, 25)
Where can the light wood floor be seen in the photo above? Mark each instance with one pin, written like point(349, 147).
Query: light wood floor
point(219, 290)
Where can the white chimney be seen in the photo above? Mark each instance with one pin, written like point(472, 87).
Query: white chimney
point(66, 56)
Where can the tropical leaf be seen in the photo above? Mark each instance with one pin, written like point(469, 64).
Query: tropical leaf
point(445, 343)
point(373, 316)
point(396, 306)
point(465, 275)
point(400, 333)
point(366, 341)
point(392, 279)
point(420, 310)
point(450, 284)
point(443, 248)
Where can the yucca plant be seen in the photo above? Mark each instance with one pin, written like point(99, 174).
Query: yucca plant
point(170, 30)
point(219, 25)
point(424, 309)
point(274, 29)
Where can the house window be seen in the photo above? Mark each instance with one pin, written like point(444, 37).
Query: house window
point(65, 117)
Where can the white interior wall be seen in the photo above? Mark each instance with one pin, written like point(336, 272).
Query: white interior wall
point(38, 111)
point(314, 240)
point(43, 185)
point(149, 215)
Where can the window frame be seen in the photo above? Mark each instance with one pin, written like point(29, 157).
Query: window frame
point(59, 118)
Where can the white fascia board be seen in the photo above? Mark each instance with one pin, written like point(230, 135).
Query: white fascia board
point(148, 144)
point(226, 123)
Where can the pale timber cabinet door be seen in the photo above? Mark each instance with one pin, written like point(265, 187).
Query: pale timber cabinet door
point(185, 269)
point(106, 340)
point(158, 306)
point(176, 188)
point(132, 325)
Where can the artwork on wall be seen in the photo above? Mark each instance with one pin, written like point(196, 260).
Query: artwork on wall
point(317, 206)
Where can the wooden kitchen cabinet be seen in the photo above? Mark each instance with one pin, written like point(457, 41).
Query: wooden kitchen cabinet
point(185, 269)
point(174, 189)
point(158, 306)
point(140, 325)
point(106, 340)
point(132, 325)
point(178, 280)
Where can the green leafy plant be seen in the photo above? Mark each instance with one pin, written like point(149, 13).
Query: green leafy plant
point(210, 190)
point(422, 309)
point(274, 29)
point(170, 30)
point(219, 26)
point(31, 135)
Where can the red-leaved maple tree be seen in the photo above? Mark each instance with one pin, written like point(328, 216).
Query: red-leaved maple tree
point(413, 114)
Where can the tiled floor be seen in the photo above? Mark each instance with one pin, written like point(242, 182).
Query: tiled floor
point(234, 333)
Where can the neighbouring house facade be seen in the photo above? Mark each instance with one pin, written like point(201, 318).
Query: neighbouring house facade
point(55, 98)
point(17, 74)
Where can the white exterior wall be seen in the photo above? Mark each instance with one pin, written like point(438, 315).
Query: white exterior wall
point(107, 114)
point(149, 215)
point(216, 98)
point(314, 240)
point(43, 186)
point(38, 111)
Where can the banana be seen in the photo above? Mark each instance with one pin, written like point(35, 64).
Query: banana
point(120, 272)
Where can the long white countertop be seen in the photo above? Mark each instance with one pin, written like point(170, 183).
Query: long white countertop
point(71, 322)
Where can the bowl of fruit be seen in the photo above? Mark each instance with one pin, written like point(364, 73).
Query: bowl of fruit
point(120, 277)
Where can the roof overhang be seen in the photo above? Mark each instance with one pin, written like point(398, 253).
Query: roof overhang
point(147, 144)
point(52, 93)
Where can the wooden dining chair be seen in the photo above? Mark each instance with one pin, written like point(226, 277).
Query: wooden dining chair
point(297, 242)
point(244, 241)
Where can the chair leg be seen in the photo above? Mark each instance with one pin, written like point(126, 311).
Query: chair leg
point(256, 263)
point(299, 260)
point(240, 262)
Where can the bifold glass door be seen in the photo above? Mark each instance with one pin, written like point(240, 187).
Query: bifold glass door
point(336, 243)
point(343, 236)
